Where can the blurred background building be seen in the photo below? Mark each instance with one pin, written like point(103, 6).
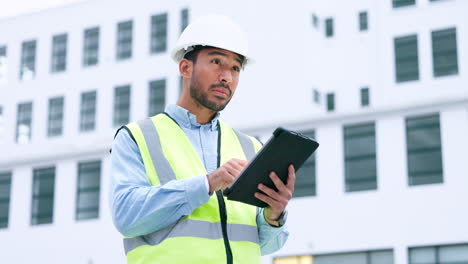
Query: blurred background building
point(382, 85)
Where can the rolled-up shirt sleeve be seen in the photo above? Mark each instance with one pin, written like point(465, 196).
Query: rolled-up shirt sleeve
point(271, 238)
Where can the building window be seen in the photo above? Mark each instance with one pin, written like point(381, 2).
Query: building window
point(315, 20)
point(5, 191)
point(316, 96)
point(157, 98)
point(330, 102)
point(124, 40)
point(424, 150)
point(55, 121)
point(23, 123)
point(406, 58)
point(365, 96)
point(158, 33)
point(88, 111)
point(184, 19)
point(91, 47)
point(3, 64)
point(87, 194)
point(43, 196)
point(329, 27)
point(121, 105)
point(305, 177)
point(59, 53)
point(367, 257)
point(293, 260)
point(360, 157)
point(28, 60)
point(444, 52)
point(363, 21)
point(447, 254)
point(401, 3)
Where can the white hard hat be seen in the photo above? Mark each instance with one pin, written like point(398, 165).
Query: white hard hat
point(213, 30)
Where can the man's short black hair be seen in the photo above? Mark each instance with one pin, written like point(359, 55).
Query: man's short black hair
point(193, 54)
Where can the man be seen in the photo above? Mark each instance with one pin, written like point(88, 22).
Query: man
point(168, 171)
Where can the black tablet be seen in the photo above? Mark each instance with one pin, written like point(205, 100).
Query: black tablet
point(283, 148)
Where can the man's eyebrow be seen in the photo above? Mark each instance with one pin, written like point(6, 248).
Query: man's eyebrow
point(225, 55)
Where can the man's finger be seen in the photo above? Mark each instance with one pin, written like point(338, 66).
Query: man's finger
point(271, 202)
point(270, 192)
point(291, 178)
point(277, 181)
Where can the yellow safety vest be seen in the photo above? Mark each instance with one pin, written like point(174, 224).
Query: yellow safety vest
point(220, 231)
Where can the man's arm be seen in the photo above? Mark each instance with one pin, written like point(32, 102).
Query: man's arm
point(271, 238)
point(139, 208)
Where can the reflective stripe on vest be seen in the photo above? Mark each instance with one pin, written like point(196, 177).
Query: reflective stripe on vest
point(163, 169)
point(163, 146)
point(247, 145)
point(194, 228)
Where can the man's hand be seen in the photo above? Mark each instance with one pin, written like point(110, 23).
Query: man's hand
point(226, 174)
point(277, 201)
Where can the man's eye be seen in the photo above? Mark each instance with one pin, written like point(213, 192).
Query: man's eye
point(236, 68)
point(215, 61)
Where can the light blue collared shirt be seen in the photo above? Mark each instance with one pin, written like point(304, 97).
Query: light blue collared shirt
point(138, 208)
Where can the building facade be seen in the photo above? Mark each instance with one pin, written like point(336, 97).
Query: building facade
point(381, 85)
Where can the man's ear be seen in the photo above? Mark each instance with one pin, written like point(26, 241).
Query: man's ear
point(186, 68)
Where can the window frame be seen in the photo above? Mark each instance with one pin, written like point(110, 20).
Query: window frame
point(91, 46)
point(5, 198)
point(55, 116)
point(122, 108)
point(412, 152)
point(124, 47)
point(82, 166)
point(351, 132)
point(38, 175)
point(158, 33)
point(59, 53)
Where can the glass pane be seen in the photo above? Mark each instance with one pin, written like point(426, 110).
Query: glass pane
point(87, 215)
point(359, 146)
point(381, 257)
point(329, 27)
point(43, 185)
point(4, 190)
point(351, 258)
point(88, 200)
point(424, 138)
point(453, 254)
point(423, 121)
point(444, 52)
point(90, 180)
point(4, 209)
point(427, 161)
point(330, 102)
point(361, 169)
point(422, 255)
point(305, 181)
point(406, 58)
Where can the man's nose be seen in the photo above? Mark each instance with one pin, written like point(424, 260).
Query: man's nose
point(226, 76)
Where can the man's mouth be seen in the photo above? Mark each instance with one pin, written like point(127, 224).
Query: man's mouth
point(221, 90)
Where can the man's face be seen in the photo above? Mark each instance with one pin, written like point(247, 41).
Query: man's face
point(215, 78)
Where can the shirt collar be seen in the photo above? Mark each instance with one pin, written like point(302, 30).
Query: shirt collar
point(188, 120)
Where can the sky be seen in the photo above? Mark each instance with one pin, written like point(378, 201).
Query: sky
point(11, 8)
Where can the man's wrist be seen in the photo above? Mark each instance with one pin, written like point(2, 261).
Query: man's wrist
point(207, 183)
point(281, 219)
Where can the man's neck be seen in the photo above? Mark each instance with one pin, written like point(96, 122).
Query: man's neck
point(203, 114)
